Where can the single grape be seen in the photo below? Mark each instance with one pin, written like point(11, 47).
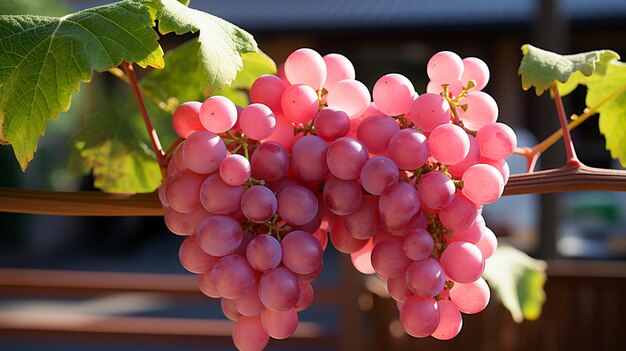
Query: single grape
point(501, 165)
point(475, 69)
point(258, 204)
point(349, 95)
point(270, 161)
point(183, 191)
point(444, 66)
point(408, 148)
point(193, 258)
point(379, 174)
point(297, 205)
point(364, 223)
point(399, 206)
point(233, 277)
point(264, 253)
point(375, 131)
point(218, 197)
point(487, 243)
point(203, 152)
point(308, 158)
point(206, 286)
point(229, 309)
point(235, 170)
point(249, 335)
point(279, 325)
point(389, 259)
point(342, 196)
point(306, 66)
point(425, 278)
point(398, 289)
point(279, 289)
point(429, 111)
point(448, 144)
point(345, 158)
point(450, 320)
point(219, 235)
point(481, 110)
point(218, 114)
point(186, 118)
point(338, 68)
point(462, 262)
point(362, 259)
point(419, 316)
point(460, 214)
point(472, 297)
point(393, 94)
point(331, 124)
point(299, 103)
point(249, 305)
point(496, 141)
point(302, 253)
point(417, 244)
point(482, 184)
point(436, 190)
point(342, 240)
point(268, 90)
point(257, 121)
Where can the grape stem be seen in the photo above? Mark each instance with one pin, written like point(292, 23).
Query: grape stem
point(572, 159)
point(154, 138)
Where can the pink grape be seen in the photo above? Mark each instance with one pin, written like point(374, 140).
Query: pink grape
point(186, 118)
point(313, 224)
point(345, 158)
point(203, 152)
point(268, 90)
point(487, 243)
point(362, 259)
point(481, 110)
point(364, 223)
point(270, 161)
point(338, 68)
point(218, 197)
point(342, 240)
point(302, 253)
point(233, 277)
point(398, 289)
point(219, 235)
point(436, 190)
point(308, 158)
point(193, 258)
point(322, 236)
point(398, 206)
point(306, 297)
point(379, 174)
point(429, 111)
point(258, 204)
point(299, 103)
point(264, 253)
point(178, 162)
point(297, 205)
point(331, 124)
point(249, 335)
point(501, 165)
point(472, 297)
point(249, 305)
point(408, 148)
point(229, 309)
point(482, 184)
point(218, 114)
point(279, 325)
point(425, 277)
point(206, 286)
point(342, 196)
point(375, 131)
point(462, 262)
point(496, 141)
point(450, 320)
point(235, 170)
point(417, 244)
point(393, 94)
point(257, 121)
point(306, 66)
point(472, 234)
point(472, 158)
point(419, 316)
point(476, 70)
point(448, 144)
point(279, 289)
point(175, 222)
point(389, 260)
point(349, 95)
point(182, 191)
point(444, 66)
point(460, 214)
point(283, 133)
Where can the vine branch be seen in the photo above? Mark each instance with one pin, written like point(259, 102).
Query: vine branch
point(93, 203)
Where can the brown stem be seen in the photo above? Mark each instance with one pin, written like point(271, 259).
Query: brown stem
point(572, 160)
point(154, 138)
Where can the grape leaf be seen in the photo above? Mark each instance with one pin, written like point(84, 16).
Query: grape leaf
point(540, 68)
point(221, 43)
point(184, 79)
point(45, 58)
point(518, 281)
point(114, 147)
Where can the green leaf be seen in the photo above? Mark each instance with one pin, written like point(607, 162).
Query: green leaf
point(518, 280)
point(45, 58)
point(184, 79)
point(113, 147)
point(221, 43)
point(540, 68)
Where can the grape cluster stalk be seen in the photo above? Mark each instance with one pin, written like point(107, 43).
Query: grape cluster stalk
point(395, 179)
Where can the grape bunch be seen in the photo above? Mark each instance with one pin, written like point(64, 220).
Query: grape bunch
point(393, 178)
